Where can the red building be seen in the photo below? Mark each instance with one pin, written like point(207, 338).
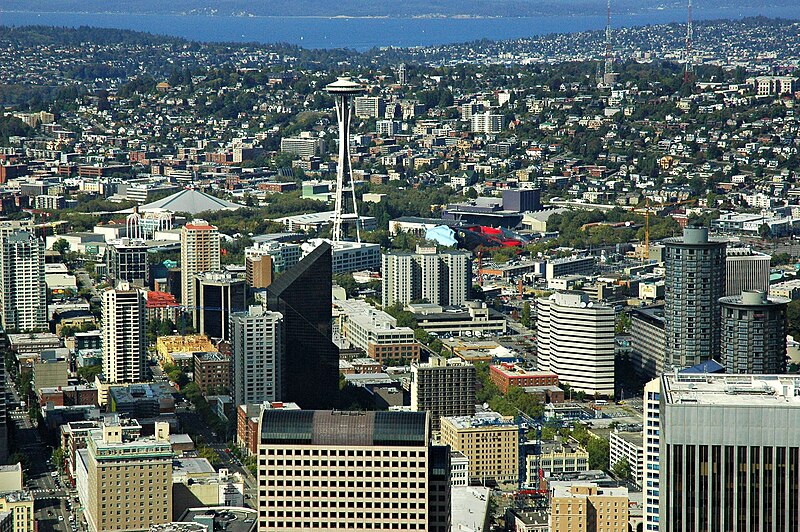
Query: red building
point(508, 375)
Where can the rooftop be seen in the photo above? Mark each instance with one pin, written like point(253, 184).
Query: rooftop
point(731, 390)
point(481, 420)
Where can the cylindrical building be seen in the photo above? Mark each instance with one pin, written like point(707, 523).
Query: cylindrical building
point(753, 333)
point(695, 280)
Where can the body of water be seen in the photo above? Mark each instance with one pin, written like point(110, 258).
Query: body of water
point(365, 33)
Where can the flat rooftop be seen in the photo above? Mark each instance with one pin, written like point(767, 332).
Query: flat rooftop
point(732, 390)
point(481, 420)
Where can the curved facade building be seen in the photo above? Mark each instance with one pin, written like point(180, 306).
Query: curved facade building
point(695, 280)
point(753, 333)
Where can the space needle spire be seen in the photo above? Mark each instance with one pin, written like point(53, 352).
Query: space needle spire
point(343, 90)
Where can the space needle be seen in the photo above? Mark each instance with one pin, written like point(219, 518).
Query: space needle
point(343, 90)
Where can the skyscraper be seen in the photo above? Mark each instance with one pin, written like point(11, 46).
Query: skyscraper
point(257, 344)
point(310, 364)
point(695, 280)
point(753, 333)
point(124, 354)
point(23, 293)
point(328, 470)
point(127, 261)
point(441, 278)
point(745, 269)
point(3, 415)
point(200, 252)
point(729, 456)
point(576, 341)
point(443, 387)
point(218, 296)
point(651, 436)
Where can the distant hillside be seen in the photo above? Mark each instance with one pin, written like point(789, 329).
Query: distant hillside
point(388, 8)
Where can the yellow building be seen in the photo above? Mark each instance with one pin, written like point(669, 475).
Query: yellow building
point(584, 507)
point(489, 441)
point(167, 346)
point(19, 504)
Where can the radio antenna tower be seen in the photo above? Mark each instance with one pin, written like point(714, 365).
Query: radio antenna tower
point(343, 90)
point(689, 36)
point(609, 68)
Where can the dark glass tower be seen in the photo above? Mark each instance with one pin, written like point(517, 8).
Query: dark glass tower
point(309, 374)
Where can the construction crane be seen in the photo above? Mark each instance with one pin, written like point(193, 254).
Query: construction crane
point(645, 254)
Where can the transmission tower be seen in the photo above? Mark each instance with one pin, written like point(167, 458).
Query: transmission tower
point(688, 67)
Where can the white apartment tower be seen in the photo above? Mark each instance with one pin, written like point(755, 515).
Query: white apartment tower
point(199, 253)
point(124, 350)
point(256, 338)
point(24, 294)
point(441, 278)
point(576, 341)
point(650, 471)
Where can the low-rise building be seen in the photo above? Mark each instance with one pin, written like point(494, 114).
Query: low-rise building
point(490, 443)
point(376, 333)
point(168, 346)
point(583, 506)
point(506, 376)
point(558, 457)
point(212, 372)
point(473, 319)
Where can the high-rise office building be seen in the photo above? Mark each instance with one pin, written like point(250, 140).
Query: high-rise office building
point(729, 456)
point(3, 415)
point(127, 261)
point(124, 339)
point(310, 364)
point(258, 271)
point(257, 343)
point(576, 341)
point(647, 341)
point(745, 269)
point(123, 483)
point(218, 295)
point(444, 387)
point(753, 333)
point(651, 437)
point(23, 293)
point(328, 470)
point(200, 252)
point(441, 278)
point(695, 280)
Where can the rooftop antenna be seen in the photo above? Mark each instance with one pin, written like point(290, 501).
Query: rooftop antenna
point(689, 36)
point(343, 90)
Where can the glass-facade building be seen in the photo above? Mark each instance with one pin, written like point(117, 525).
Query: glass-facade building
point(310, 366)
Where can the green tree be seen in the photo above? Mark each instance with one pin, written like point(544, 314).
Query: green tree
point(62, 246)
point(622, 469)
point(88, 373)
point(525, 316)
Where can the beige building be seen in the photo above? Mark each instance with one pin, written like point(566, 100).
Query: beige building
point(559, 457)
point(490, 443)
point(125, 484)
point(584, 507)
point(200, 253)
point(16, 512)
point(327, 470)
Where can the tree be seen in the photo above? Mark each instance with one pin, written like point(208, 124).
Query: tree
point(525, 317)
point(62, 246)
point(88, 373)
point(622, 469)
point(765, 232)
